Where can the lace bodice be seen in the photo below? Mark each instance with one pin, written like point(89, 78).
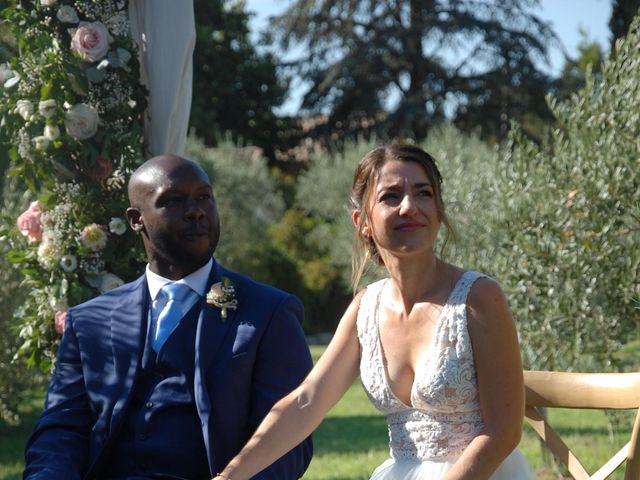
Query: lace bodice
point(444, 415)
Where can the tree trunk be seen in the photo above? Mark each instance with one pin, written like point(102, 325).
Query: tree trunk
point(415, 102)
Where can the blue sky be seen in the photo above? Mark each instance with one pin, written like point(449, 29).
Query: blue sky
point(567, 17)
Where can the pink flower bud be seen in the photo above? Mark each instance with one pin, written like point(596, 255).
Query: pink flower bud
point(59, 320)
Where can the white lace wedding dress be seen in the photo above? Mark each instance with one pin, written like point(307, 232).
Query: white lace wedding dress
point(426, 438)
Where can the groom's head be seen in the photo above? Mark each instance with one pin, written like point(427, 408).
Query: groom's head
point(172, 206)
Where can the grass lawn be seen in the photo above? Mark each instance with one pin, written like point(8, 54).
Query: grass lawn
point(352, 440)
point(13, 438)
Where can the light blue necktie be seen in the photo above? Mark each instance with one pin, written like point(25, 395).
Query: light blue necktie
point(171, 314)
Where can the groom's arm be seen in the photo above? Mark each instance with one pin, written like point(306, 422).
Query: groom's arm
point(283, 361)
point(58, 446)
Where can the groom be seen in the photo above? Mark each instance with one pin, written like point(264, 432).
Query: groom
point(150, 383)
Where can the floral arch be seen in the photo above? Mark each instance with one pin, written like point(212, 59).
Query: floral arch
point(73, 110)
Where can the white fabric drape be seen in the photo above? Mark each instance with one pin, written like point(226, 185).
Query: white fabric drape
point(165, 33)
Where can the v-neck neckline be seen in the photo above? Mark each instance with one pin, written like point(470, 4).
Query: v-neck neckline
point(430, 348)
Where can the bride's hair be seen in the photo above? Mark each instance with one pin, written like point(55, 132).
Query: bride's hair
point(364, 181)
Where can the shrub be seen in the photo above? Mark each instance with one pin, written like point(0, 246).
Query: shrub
point(571, 227)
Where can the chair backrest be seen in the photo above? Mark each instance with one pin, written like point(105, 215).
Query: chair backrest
point(591, 391)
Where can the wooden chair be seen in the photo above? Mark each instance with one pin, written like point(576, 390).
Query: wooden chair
point(591, 391)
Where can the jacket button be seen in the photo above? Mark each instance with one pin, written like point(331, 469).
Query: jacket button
point(148, 404)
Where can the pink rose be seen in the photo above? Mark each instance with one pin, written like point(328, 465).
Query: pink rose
point(59, 321)
point(90, 41)
point(29, 222)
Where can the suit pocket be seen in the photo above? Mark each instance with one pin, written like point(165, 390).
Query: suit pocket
point(245, 340)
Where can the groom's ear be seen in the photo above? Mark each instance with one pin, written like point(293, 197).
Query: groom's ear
point(134, 217)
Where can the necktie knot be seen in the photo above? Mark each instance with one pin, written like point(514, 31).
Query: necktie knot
point(178, 292)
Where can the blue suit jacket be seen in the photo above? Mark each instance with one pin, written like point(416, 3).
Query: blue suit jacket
point(243, 365)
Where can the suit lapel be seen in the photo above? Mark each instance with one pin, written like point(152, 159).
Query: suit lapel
point(127, 340)
point(211, 332)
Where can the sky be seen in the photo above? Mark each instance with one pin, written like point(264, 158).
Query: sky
point(567, 18)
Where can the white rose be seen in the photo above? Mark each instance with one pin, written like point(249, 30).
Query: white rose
point(109, 281)
point(90, 41)
point(41, 143)
point(48, 3)
point(67, 14)
point(24, 108)
point(51, 132)
point(117, 225)
point(81, 121)
point(13, 80)
point(47, 108)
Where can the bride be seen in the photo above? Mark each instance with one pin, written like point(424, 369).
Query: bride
point(435, 345)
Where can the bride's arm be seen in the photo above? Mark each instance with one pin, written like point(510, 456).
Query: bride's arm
point(294, 417)
point(500, 382)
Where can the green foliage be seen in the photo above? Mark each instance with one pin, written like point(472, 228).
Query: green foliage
point(589, 59)
point(235, 87)
point(318, 285)
point(248, 203)
point(381, 67)
point(323, 194)
point(570, 227)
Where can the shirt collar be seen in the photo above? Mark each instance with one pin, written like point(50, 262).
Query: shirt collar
point(197, 280)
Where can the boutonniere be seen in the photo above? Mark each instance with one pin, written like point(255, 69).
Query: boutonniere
point(223, 296)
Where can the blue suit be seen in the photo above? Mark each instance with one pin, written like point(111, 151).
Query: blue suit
point(243, 365)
